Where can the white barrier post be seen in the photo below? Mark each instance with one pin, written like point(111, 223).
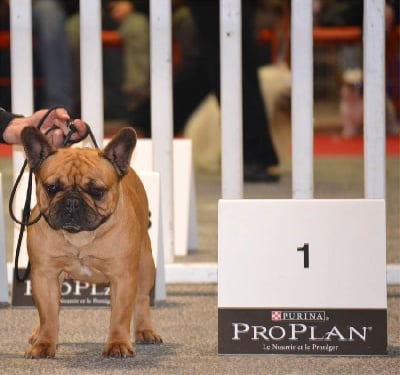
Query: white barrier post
point(21, 67)
point(374, 99)
point(302, 99)
point(92, 67)
point(3, 253)
point(374, 109)
point(231, 98)
point(21, 56)
point(162, 115)
point(151, 182)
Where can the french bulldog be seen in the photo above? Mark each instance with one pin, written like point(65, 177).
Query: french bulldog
point(94, 228)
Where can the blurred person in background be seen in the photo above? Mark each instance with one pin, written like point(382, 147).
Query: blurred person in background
point(52, 56)
point(130, 20)
point(190, 79)
point(341, 13)
point(260, 158)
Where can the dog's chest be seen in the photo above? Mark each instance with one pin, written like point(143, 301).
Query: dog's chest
point(79, 240)
point(81, 266)
point(86, 267)
point(82, 261)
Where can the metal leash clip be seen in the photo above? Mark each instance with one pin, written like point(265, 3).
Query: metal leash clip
point(72, 129)
point(71, 126)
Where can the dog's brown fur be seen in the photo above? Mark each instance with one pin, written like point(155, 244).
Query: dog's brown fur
point(94, 228)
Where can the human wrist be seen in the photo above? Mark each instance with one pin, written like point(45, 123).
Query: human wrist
point(5, 119)
point(12, 133)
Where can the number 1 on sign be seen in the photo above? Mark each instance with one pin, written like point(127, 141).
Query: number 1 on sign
point(306, 251)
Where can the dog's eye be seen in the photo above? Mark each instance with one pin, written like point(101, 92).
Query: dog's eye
point(96, 192)
point(52, 189)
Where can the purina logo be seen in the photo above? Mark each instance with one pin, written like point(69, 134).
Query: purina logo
point(278, 316)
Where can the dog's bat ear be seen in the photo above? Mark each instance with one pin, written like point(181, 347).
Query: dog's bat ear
point(119, 150)
point(36, 146)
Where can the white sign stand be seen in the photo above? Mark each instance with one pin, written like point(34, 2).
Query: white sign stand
point(185, 221)
point(302, 277)
point(151, 182)
point(3, 252)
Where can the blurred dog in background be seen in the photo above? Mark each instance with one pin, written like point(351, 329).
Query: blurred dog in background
point(351, 106)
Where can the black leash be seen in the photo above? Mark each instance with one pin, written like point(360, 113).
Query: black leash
point(24, 222)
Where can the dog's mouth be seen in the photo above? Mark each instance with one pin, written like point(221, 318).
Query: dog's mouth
point(74, 226)
point(71, 227)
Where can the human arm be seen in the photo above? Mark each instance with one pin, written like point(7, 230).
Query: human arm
point(11, 126)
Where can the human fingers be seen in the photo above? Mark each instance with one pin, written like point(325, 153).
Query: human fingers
point(56, 137)
point(58, 117)
point(81, 132)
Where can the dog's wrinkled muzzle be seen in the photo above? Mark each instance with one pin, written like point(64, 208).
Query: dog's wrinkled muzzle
point(73, 215)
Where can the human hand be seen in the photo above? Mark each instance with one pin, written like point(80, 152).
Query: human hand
point(57, 120)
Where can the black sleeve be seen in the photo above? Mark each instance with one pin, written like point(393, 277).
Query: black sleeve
point(5, 119)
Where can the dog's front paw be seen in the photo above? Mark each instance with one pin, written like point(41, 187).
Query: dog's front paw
point(118, 350)
point(41, 350)
point(148, 336)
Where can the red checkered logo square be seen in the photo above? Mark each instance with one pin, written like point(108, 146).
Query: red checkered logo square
point(276, 316)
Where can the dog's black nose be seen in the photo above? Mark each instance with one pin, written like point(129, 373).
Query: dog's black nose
point(72, 214)
point(72, 204)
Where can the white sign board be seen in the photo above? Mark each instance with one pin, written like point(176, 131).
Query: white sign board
point(185, 223)
point(151, 183)
point(302, 277)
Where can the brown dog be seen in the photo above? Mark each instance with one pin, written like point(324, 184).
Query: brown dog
point(93, 228)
